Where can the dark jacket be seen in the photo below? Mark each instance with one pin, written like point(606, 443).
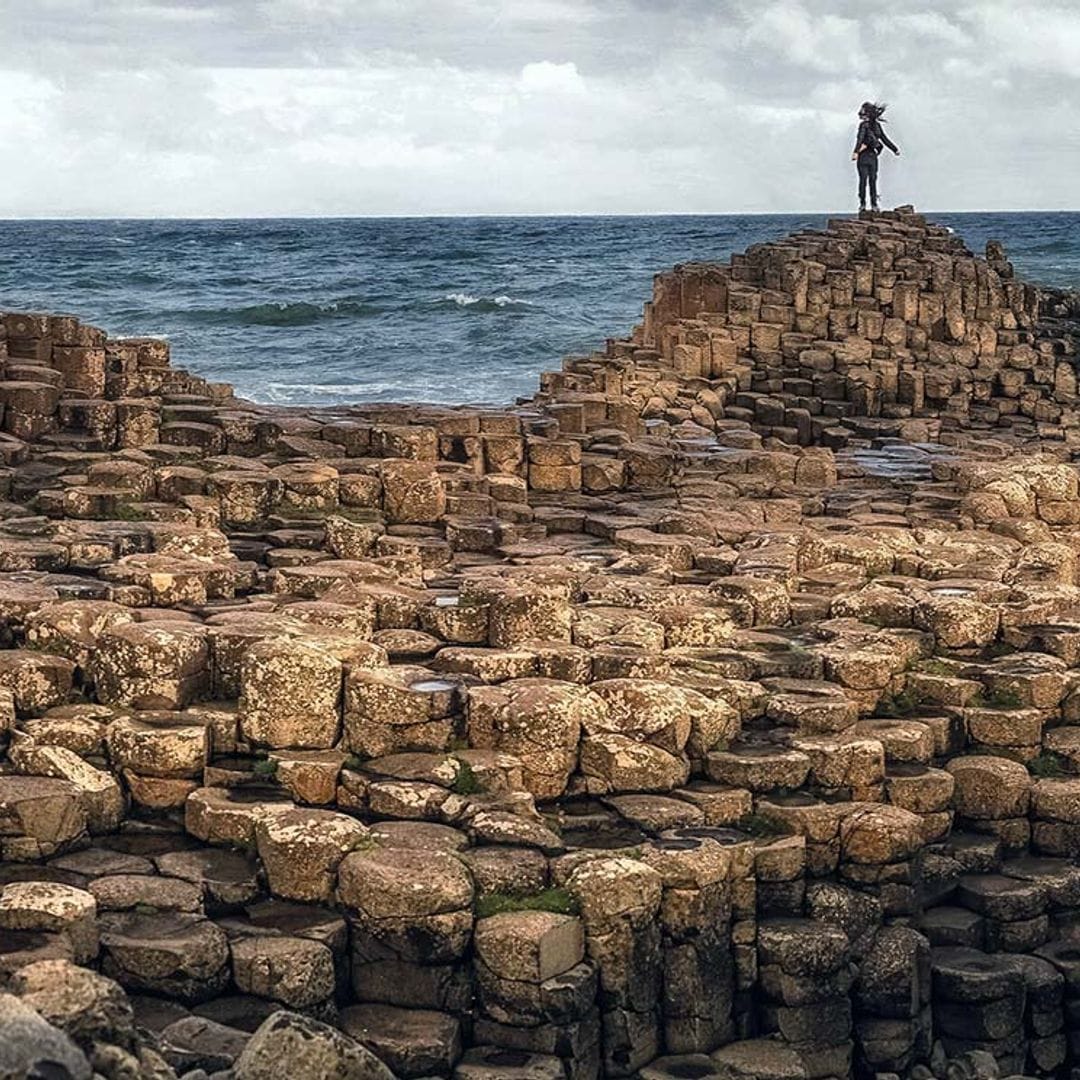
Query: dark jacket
point(872, 137)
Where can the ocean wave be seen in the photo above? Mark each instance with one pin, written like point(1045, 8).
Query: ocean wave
point(414, 386)
point(140, 277)
point(1048, 247)
point(468, 302)
point(280, 392)
point(284, 313)
point(457, 254)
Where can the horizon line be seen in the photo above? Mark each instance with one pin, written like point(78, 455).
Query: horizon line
point(500, 216)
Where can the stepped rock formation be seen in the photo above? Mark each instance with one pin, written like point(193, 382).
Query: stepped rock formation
point(713, 714)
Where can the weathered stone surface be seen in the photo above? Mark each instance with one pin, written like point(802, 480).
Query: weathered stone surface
point(156, 745)
point(990, 787)
point(99, 792)
point(618, 763)
point(194, 1042)
point(39, 816)
point(227, 816)
point(391, 710)
point(175, 955)
point(36, 681)
point(760, 1059)
point(225, 878)
point(529, 946)
point(495, 1063)
point(301, 850)
point(29, 1046)
point(150, 665)
point(41, 905)
point(312, 1050)
point(289, 695)
point(879, 835)
point(411, 1042)
point(388, 883)
point(129, 892)
point(71, 628)
point(81, 1003)
point(295, 971)
point(537, 720)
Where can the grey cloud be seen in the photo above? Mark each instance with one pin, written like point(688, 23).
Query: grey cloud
point(398, 106)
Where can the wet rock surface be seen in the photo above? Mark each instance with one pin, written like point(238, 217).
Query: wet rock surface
point(713, 713)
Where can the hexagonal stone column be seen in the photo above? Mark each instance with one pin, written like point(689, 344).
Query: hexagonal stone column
point(290, 695)
point(151, 665)
point(620, 900)
point(412, 925)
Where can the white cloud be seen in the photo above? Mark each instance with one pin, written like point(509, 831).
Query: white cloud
point(825, 42)
point(1043, 40)
point(931, 25)
point(544, 77)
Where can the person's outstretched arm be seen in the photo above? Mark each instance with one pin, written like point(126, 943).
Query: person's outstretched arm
point(887, 141)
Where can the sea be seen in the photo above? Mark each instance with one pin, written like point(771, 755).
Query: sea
point(304, 311)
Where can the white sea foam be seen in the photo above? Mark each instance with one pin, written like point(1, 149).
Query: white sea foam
point(348, 389)
point(463, 299)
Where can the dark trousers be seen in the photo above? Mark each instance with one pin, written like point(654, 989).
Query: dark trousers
point(868, 172)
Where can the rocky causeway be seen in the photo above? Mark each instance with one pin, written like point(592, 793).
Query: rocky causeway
point(714, 714)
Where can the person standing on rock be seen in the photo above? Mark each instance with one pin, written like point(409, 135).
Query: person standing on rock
point(868, 144)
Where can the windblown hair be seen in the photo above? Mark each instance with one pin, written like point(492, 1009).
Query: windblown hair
point(872, 110)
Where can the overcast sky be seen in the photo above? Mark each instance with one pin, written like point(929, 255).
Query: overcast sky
point(116, 108)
